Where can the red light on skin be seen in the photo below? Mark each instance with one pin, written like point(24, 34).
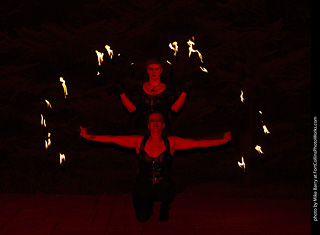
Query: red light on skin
point(154, 71)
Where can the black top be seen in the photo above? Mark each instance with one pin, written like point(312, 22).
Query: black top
point(147, 104)
point(155, 169)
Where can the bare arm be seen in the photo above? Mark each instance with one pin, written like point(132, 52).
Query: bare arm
point(178, 143)
point(127, 103)
point(129, 141)
point(179, 102)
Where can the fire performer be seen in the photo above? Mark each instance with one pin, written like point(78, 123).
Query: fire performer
point(155, 155)
point(153, 96)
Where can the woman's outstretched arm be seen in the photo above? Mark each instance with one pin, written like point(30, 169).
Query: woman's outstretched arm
point(178, 143)
point(129, 141)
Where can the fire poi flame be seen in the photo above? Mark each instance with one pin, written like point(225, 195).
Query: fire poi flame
point(64, 87)
point(43, 121)
point(241, 97)
point(191, 50)
point(100, 57)
point(47, 143)
point(110, 52)
point(204, 69)
point(258, 148)
point(48, 104)
point(242, 164)
point(174, 47)
point(265, 129)
point(62, 158)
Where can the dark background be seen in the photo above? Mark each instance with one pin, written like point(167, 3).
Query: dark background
point(258, 46)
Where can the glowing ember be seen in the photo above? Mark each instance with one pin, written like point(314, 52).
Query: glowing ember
point(169, 62)
point(98, 73)
point(258, 148)
point(241, 97)
point(242, 164)
point(62, 158)
point(191, 44)
point(64, 87)
point(265, 129)
point(43, 121)
point(110, 52)
point(204, 69)
point(260, 112)
point(48, 104)
point(174, 47)
point(100, 57)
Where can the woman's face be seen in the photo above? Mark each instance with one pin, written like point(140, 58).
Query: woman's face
point(154, 71)
point(156, 123)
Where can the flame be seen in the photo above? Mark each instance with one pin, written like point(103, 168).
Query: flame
point(242, 164)
point(241, 97)
point(64, 87)
point(260, 112)
point(100, 57)
point(110, 52)
point(258, 148)
point(265, 129)
point(47, 143)
point(174, 47)
point(62, 158)
point(43, 121)
point(98, 73)
point(204, 69)
point(191, 44)
point(48, 104)
point(169, 62)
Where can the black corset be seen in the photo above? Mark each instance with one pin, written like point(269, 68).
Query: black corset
point(154, 169)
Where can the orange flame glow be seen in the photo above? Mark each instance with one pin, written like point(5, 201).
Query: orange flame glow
point(64, 87)
point(241, 97)
point(265, 129)
point(174, 47)
point(258, 148)
point(48, 104)
point(242, 164)
point(204, 69)
point(100, 57)
point(47, 143)
point(110, 52)
point(43, 121)
point(191, 50)
point(62, 158)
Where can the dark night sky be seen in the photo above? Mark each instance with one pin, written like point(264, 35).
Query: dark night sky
point(261, 47)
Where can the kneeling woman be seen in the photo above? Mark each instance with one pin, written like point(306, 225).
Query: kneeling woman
point(154, 154)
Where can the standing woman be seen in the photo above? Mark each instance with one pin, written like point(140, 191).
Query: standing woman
point(154, 154)
point(153, 96)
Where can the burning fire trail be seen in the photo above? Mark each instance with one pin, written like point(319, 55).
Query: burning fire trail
point(204, 69)
point(100, 57)
point(43, 121)
point(48, 104)
point(64, 87)
point(174, 47)
point(48, 142)
point(62, 158)
point(241, 97)
point(258, 148)
point(242, 164)
point(265, 129)
point(191, 50)
point(110, 52)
